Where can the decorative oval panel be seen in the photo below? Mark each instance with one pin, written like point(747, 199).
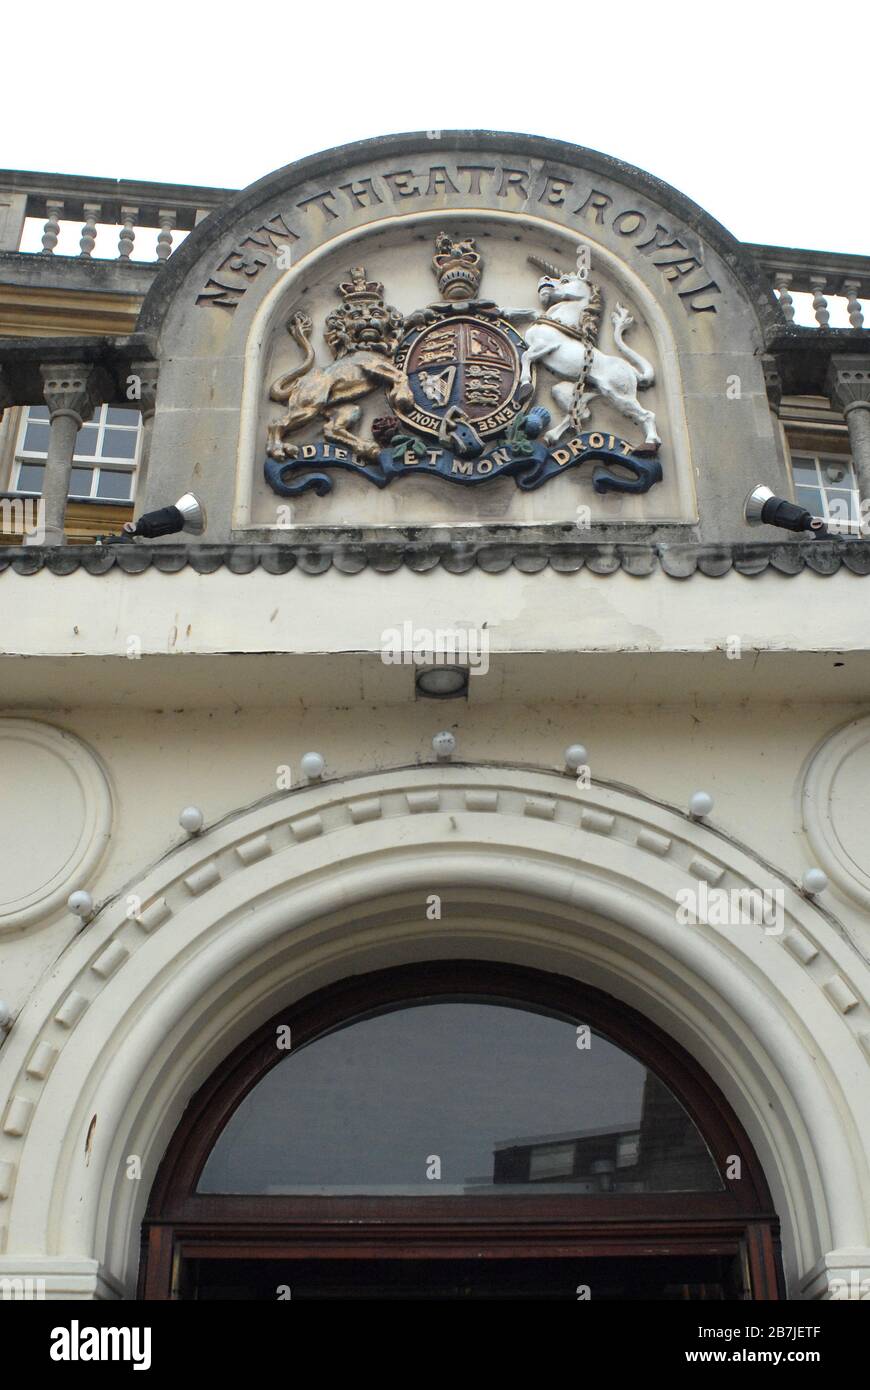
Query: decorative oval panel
point(836, 808)
point(56, 813)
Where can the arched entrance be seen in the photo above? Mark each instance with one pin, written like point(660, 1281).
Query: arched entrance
point(306, 889)
point(581, 1153)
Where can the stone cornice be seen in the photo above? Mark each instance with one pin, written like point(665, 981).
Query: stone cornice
point(802, 355)
point(22, 359)
point(678, 561)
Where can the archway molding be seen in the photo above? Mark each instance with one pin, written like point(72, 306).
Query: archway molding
point(332, 880)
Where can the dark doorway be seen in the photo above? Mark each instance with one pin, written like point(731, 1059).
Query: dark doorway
point(684, 1278)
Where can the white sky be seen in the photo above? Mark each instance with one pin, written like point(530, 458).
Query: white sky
point(757, 111)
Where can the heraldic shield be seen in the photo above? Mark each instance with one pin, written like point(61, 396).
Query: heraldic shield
point(464, 367)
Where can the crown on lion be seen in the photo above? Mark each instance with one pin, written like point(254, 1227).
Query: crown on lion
point(359, 290)
point(364, 320)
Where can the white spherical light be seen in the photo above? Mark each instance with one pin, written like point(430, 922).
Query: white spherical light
point(576, 756)
point(81, 903)
point(815, 881)
point(191, 820)
point(444, 743)
point(700, 804)
point(313, 765)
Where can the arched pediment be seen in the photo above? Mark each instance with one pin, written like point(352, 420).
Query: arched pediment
point(546, 163)
point(253, 382)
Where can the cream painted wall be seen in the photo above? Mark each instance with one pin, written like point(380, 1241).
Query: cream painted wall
point(752, 760)
point(44, 615)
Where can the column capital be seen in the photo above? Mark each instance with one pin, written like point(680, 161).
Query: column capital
point(71, 388)
point(147, 399)
point(848, 382)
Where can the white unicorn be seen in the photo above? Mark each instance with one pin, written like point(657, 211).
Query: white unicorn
point(563, 337)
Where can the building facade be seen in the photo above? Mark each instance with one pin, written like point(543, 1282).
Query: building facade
point(444, 864)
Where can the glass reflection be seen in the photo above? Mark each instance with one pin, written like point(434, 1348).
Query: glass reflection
point(459, 1097)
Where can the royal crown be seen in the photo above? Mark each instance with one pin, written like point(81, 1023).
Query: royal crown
point(363, 320)
point(359, 290)
point(457, 266)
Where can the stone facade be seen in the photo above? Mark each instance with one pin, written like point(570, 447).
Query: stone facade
point(143, 678)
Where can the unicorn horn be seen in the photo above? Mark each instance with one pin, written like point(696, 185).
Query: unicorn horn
point(547, 266)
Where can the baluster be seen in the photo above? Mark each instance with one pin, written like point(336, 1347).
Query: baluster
point(125, 240)
point(820, 304)
point(166, 218)
point(89, 230)
point(853, 304)
point(51, 230)
point(781, 282)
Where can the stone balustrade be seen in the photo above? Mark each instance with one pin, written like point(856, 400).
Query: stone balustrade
point(126, 206)
point(836, 282)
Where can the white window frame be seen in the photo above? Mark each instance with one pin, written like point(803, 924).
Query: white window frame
point(95, 462)
point(849, 484)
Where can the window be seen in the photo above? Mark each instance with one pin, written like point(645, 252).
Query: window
point(434, 1130)
point(825, 484)
point(104, 462)
point(459, 1097)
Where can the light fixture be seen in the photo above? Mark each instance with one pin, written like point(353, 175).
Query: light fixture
point(442, 682)
point(191, 819)
point(700, 805)
point(187, 514)
point(576, 756)
point(81, 904)
point(763, 508)
point(814, 881)
point(313, 765)
point(444, 744)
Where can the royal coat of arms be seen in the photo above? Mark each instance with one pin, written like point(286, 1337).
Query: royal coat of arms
point(460, 380)
point(462, 370)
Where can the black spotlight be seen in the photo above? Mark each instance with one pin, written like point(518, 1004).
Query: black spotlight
point(188, 514)
point(763, 508)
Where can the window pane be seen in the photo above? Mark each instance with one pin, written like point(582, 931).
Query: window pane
point(811, 498)
point(504, 1098)
point(80, 482)
point(119, 444)
point(86, 442)
point(114, 484)
point(842, 505)
point(122, 415)
point(804, 470)
point(836, 472)
point(30, 476)
point(37, 412)
point(36, 438)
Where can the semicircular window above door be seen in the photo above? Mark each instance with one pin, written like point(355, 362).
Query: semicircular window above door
point(458, 1129)
point(459, 1097)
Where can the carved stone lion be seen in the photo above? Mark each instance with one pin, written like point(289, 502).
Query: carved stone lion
point(363, 335)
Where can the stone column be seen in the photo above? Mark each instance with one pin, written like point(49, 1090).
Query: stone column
point(147, 402)
point(848, 387)
point(70, 395)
